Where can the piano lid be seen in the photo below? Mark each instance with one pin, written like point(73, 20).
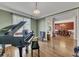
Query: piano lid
point(5, 30)
point(11, 29)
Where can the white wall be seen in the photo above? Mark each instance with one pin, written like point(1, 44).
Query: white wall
point(65, 15)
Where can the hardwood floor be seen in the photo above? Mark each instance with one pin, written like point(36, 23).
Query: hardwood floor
point(57, 47)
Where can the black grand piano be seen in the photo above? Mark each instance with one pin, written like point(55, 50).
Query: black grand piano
point(7, 37)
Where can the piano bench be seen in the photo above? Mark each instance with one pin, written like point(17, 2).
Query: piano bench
point(35, 46)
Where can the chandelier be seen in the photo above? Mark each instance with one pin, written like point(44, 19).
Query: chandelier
point(36, 10)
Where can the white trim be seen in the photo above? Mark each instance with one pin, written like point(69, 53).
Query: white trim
point(65, 21)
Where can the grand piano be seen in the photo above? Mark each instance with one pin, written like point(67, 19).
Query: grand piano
point(7, 37)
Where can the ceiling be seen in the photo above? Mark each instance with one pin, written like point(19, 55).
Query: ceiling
point(46, 8)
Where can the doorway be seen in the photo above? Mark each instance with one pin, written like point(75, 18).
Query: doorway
point(64, 37)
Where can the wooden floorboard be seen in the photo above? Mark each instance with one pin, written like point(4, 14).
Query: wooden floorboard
point(57, 47)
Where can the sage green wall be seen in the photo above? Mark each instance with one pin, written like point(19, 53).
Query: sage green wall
point(5, 18)
point(34, 26)
point(41, 26)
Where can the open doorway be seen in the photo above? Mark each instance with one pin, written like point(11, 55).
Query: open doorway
point(64, 37)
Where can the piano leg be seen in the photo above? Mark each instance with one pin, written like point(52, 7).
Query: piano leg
point(3, 50)
point(26, 49)
point(20, 51)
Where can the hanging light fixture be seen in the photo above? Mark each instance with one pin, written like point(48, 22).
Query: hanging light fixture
point(36, 11)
